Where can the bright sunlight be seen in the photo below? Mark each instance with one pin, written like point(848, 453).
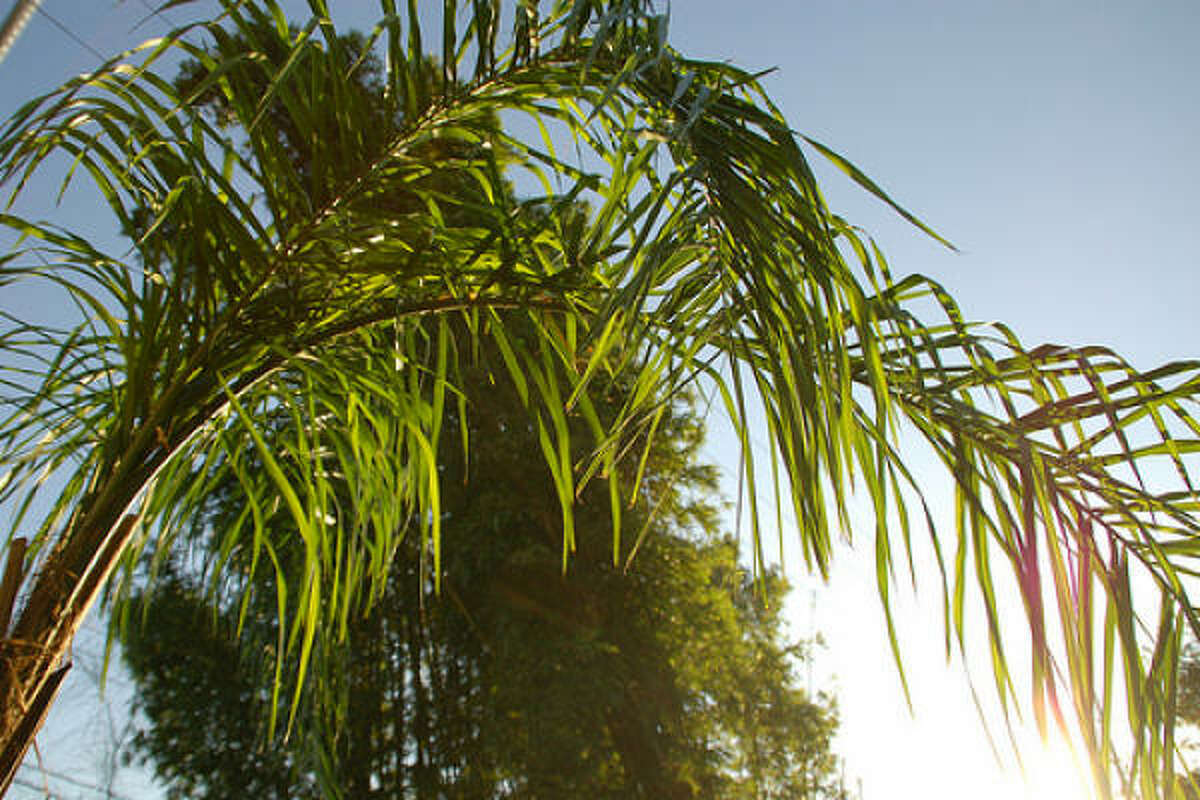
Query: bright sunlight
point(1053, 772)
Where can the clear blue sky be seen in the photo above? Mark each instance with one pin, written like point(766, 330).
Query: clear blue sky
point(1054, 143)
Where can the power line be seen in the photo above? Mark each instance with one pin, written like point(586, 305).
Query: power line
point(27, 785)
point(155, 12)
point(68, 32)
point(58, 776)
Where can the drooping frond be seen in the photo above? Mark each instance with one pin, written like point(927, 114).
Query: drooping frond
point(564, 187)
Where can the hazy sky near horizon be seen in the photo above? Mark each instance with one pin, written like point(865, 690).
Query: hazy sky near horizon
point(1053, 142)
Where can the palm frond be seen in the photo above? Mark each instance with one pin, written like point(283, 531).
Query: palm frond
point(295, 278)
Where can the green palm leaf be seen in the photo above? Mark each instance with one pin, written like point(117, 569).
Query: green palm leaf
point(296, 279)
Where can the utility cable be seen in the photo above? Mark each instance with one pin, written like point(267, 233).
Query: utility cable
point(24, 784)
point(68, 32)
point(157, 12)
point(78, 784)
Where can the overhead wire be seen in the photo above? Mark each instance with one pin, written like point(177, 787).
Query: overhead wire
point(79, 41)
point(24, 784)
point(156, 12)
point(75, 782)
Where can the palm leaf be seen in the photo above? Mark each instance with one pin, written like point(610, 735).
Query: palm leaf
point(291, 285)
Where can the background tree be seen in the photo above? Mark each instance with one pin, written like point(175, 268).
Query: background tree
point(669, 679)
point(1187, 711)
point(709, 257)
point(707, 687)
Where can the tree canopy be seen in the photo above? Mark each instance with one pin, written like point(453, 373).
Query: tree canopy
point(259, 287)
point(669, 679)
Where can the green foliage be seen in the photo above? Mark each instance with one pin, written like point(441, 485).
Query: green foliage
point(215, 754)
point(262, 287)
point(666, 680)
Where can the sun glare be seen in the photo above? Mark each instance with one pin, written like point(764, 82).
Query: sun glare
point(1053, 772)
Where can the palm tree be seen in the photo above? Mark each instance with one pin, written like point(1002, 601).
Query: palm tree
point(320, 290)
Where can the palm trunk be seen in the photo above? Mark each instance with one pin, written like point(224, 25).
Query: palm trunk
point(33, 652)
point(34, 649)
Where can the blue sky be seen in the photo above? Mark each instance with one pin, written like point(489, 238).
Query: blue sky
point(1053, 143)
